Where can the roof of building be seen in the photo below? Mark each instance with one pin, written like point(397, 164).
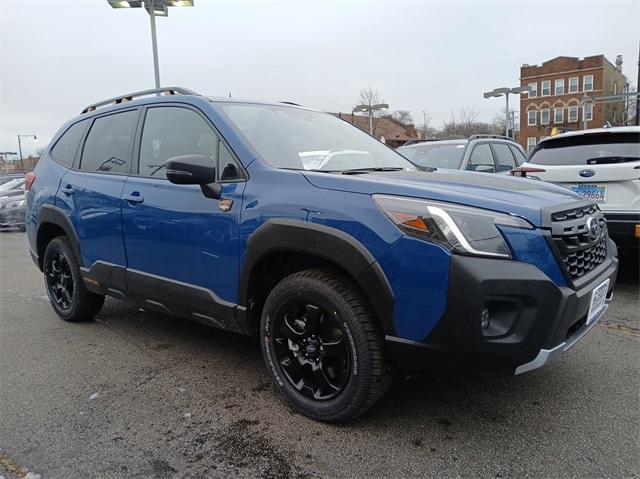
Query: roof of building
point(386, 126)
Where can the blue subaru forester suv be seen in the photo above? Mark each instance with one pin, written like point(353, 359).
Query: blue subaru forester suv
point(277, 221)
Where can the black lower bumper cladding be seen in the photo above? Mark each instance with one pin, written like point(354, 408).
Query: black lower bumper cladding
point(502, 318)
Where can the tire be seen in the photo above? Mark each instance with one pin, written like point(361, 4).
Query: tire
point(345, 350)
point(65, 288)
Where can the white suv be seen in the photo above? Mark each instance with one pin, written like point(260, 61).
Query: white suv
point(601, 164)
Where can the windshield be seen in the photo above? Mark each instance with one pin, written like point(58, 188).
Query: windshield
point(289, 137)
point(435, 155)
point(12, 184)
point(593, 149)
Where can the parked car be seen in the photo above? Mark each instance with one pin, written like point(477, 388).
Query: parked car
point(203, 208)
point(481, 153)
point(12, 203)
point(602, 165)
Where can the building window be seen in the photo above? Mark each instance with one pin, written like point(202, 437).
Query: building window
point(546, 88)
point(560, 86)
point(588, 112)
point(573, 114)
point(544, 116)
point(531, 142)
point(533, 90)
point(573, 85)
point(587, 83)
point(558, 115)
point(531, 118)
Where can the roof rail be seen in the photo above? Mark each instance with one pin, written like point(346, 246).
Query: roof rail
point(484, 135)
point(169, 90)
point(289, 103)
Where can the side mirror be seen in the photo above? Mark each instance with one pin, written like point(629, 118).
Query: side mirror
point(194, 170)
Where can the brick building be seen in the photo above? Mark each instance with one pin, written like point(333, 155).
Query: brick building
point(557, 89)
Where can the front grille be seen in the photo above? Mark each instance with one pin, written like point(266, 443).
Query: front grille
point(574, 213)
point(579, 250)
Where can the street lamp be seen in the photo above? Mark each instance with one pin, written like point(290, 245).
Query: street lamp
point(156, 8)
point(35, 138)
point(370, 109)
point(505, 91)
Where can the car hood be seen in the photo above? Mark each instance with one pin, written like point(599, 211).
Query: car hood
point(519, 196)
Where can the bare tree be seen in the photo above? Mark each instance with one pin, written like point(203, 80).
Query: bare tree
point(403, 116)
point(465, 123)
point(426, 130)
point(371, 97)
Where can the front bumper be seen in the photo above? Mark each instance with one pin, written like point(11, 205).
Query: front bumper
point(623, 229)
point(532, 320)
point(12, 217)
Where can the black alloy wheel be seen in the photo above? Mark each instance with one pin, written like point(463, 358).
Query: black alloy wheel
point(312, 349)
point(60, 280)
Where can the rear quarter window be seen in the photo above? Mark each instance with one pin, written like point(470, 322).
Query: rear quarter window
point(65, 149)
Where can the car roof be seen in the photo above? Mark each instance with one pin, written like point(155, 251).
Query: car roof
point(459, 141)
point(593, 131)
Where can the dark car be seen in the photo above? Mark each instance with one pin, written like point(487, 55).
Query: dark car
point(210, 209)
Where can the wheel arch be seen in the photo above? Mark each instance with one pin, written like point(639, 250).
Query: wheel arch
point(280, 247)
point(53, 222)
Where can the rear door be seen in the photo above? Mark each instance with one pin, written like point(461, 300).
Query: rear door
point(182, 248)
point(91, 194)
point(603, 166)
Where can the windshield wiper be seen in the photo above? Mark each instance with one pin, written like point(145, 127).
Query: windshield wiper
point(356, 171)
point(606, 160)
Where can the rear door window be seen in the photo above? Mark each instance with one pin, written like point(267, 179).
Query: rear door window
point(481, 159)
point(65, 149)
point(108, 145)
point(504, 158)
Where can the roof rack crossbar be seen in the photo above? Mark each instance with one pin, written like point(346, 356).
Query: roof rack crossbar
point(169, 90)
point(488, 135)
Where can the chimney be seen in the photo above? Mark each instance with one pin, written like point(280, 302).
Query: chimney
point(619, 62)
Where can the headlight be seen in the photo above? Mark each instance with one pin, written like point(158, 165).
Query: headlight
point(15, 204)
point(462, 229)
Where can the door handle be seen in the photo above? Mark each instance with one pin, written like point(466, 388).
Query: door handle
point(135, 197)
point(67, 190)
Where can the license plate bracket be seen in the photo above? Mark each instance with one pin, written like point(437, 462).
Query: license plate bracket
point(598, 300)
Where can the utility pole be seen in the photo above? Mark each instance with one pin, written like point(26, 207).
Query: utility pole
point(154, 44)
point(638, 90)
point(20, 150)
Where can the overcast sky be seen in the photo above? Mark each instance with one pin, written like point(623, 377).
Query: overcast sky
point(56, 56)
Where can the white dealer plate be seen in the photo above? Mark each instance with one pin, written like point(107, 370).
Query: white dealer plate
point(598, 298)
point(597, 193)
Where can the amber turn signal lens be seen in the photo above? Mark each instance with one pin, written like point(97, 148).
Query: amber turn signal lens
point(410, 220)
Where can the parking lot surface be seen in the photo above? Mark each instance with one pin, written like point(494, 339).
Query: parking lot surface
point(136, 394)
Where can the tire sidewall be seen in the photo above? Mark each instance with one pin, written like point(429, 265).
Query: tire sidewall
point(59, 245)
point(332, 303)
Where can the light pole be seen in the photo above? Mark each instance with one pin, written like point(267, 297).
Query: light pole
point(505, 91)
point(35, 138)
point(155, 8)
point(370, 109)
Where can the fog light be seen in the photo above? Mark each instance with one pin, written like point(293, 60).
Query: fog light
point(484, 318)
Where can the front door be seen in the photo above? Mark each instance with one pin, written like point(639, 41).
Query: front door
point(181, 247)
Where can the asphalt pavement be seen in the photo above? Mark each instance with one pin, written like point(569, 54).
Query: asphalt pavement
point(141, 395)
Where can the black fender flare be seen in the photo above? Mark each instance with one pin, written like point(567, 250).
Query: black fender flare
point(50, 214)
point(327, 243)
